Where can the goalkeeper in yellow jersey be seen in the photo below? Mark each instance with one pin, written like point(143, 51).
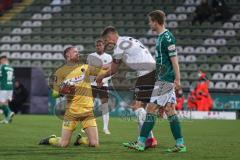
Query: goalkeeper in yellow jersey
point(72, 80)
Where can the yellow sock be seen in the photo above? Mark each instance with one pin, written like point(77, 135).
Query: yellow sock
point(54, 141)
point(84, 141)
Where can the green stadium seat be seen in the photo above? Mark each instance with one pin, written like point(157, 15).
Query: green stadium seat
point(15, 63)
point(234, 50)
point(47, 72)
point(193, 75)
point(191, 58)
point(184, 32)
point(23, 16)
point(202, 58)
point(37, 64)
point(196, 32)
point(213, 58)
point(57, 30)
point(13, 23)
point(107, 8)
point(225, 59)
point(119, 23)
point(204, 67)
point(192, 67)
point(185, 84)
point(89, 31)
point(57, 64)
point(108, 16)
point(57, 39)
point(184, 75)
point(223, 50)
point(184, 24)
point(47, 64)
point(215, 67)
point(67, 39)
point(5, 30)
point(46, 39)
point(47, 30)
point(209, 75)
point(217, 25)
point(98, 24)
point(182, 66)
point(26, 63)
point(207, 32)
point(233, 42)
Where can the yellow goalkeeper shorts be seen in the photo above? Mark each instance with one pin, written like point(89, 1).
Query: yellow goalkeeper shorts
point(86, 120)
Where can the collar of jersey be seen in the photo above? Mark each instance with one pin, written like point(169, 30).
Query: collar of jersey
point(71, 64)
point(162, 32)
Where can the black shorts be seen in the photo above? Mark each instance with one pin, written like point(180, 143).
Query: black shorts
point(101, 92)
point(144, 87)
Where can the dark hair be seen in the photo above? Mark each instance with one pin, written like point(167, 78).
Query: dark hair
point(158, 16)
point(98, 41)
point(3, 57)
point(108, 29)
point(67, 50)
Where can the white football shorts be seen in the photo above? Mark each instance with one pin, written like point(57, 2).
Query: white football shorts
point(6, 95)
point(163, 93)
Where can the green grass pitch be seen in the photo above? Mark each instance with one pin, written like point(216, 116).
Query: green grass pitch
point(205, 139)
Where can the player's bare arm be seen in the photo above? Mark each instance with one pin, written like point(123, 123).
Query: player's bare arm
point(112, 70)
point(176, 69)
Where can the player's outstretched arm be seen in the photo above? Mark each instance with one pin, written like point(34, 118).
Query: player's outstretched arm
point(112, 70)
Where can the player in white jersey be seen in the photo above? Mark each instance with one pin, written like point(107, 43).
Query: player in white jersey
point(136, 56)
point(101, 92)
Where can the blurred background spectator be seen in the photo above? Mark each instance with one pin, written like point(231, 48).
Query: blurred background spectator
point(202, 13)
point(180, 99)
point(200, 98)
point(220, 10)
point(20, 95)
point(6, 5)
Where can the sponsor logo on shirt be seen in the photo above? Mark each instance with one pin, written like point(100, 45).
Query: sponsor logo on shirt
point(172, 47)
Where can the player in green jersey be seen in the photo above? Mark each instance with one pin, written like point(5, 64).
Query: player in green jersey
point(167, 79)
point(6, 88)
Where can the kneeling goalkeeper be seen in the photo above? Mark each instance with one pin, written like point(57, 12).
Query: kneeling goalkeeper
point(72, 80)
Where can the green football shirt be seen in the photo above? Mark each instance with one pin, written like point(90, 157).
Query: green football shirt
point(6, 77)
point(165, 49)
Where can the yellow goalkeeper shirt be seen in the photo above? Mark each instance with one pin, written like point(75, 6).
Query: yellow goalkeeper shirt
point(78, 75)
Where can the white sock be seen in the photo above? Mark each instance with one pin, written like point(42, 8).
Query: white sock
point(141, 115)
point(105, 115)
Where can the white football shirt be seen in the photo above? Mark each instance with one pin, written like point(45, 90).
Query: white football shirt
point(134, 54)
point(105, 59)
